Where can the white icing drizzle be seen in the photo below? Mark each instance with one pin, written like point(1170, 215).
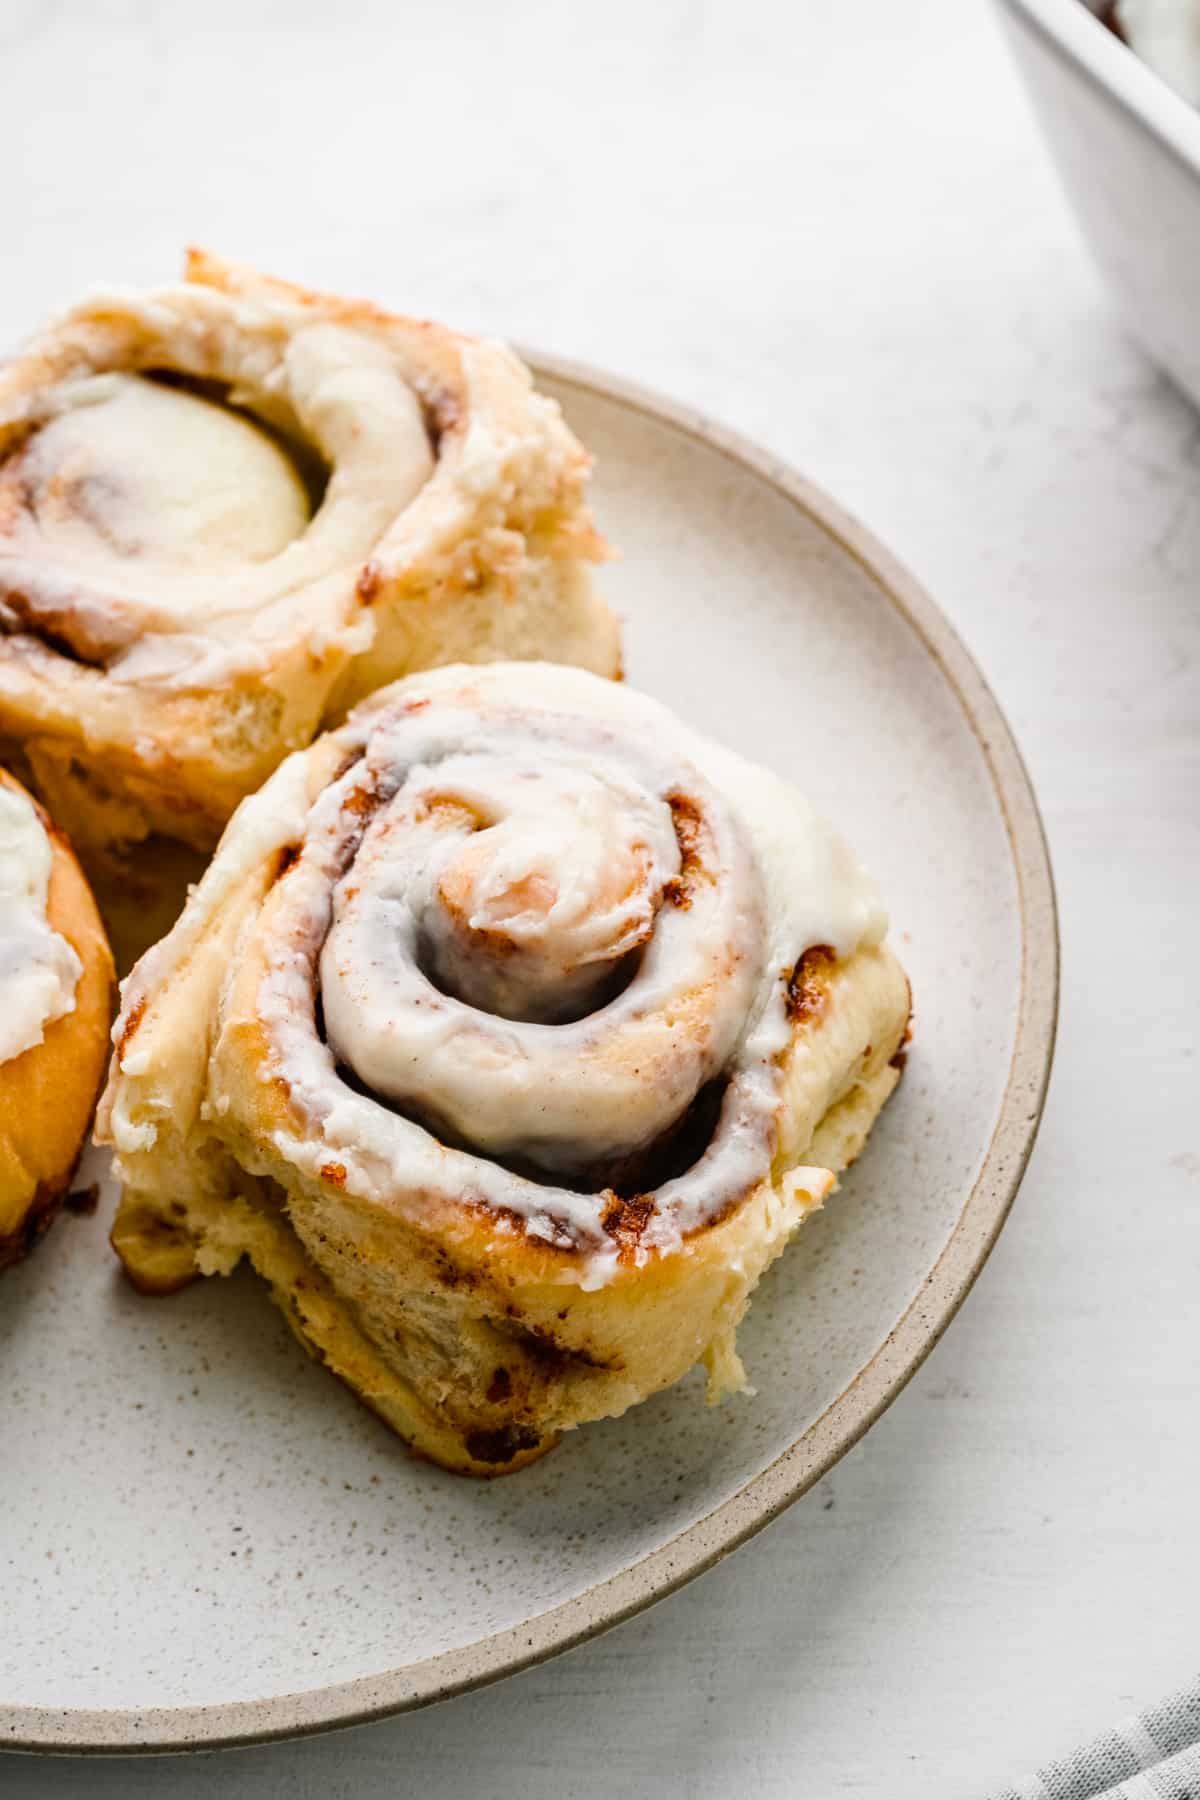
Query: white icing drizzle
point(532, 803)
point(39, 971)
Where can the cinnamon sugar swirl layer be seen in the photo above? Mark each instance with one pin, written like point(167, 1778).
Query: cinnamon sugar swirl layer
point(481, 1038)
point(230, 507)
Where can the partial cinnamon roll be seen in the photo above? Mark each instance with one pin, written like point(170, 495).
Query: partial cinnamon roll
point(511, 1033)
point(231, 507)
point(56, 998)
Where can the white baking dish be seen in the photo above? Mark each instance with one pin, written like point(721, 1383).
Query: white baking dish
point(1128, 151)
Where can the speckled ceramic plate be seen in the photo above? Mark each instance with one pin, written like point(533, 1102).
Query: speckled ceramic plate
point(206, 1540)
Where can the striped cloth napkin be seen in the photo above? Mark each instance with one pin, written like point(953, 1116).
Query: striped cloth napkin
point(1153, 1755)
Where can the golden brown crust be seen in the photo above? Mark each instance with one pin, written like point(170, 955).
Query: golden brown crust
point(48, 1094)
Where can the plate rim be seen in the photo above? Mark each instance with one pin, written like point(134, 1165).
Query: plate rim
point(699, 1546)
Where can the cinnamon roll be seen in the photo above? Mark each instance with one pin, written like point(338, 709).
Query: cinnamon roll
point(510, 1034)
point(56, 994)
point(231, 507)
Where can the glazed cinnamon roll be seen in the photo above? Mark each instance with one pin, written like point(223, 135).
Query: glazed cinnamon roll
point(511, 1033)
point(231, 507)
point(56, 995)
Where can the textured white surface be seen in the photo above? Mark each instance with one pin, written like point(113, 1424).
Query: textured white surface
point(834, 228)
point(218, 1462)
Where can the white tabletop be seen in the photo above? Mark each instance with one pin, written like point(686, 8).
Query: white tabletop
point(834, 227)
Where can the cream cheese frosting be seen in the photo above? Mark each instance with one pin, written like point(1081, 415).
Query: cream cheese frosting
point(128, 469)
point(510, 1035)
point(708, 996)
point(155, 532)
point(528, 802)
point(566, 1095)
point(39, 971)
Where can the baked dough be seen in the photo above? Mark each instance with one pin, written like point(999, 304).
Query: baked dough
point(231, 507)
point(56, 998)
point(511, 1033)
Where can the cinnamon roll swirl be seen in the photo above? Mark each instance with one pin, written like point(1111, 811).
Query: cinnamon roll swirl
point(231, 507)
point(56, 995)
point(511, 1033)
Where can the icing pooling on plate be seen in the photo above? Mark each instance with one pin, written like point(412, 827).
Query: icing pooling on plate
point(467, 742)
point(39, 971)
